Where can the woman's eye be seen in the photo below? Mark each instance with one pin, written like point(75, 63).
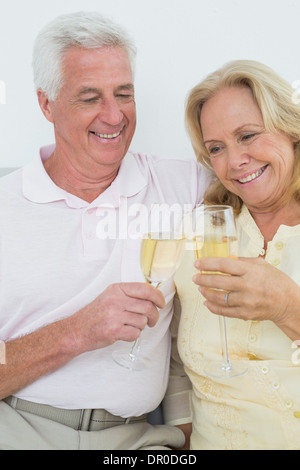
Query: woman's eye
point(247, 137)
point(214, 150)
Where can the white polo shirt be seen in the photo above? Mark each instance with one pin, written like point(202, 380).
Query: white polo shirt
point(54, 260)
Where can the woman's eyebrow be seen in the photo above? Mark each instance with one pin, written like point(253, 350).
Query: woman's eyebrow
point(237, 131)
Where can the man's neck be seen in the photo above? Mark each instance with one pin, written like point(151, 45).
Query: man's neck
point(84, 185)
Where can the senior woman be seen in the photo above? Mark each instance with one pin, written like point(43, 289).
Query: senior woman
point(245, 127)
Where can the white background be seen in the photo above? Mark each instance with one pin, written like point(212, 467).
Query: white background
point(179, 42)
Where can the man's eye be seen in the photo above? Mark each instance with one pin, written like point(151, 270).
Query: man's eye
point(90, 100)
point(125, 96)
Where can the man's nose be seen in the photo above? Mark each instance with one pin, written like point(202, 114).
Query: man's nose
point(110, 112)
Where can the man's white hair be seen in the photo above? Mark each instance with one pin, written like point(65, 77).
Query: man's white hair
point(81, 29)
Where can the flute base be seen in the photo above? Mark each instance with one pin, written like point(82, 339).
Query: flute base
point(130, 361)
point(224, 370)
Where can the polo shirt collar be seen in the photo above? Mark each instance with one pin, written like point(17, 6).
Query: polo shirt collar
point(38, 187)
point(130, 180)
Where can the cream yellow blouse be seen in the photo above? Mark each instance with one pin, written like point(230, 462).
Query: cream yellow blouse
point(261, 409)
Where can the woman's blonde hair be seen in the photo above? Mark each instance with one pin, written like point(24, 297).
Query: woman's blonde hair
point(277, 101)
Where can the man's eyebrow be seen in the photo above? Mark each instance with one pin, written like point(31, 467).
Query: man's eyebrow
point(98, 91)
point(88, 90)
point(126, 86)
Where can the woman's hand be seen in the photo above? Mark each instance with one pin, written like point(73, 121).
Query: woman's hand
point(255, 291)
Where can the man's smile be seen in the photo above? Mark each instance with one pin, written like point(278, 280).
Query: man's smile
point(107, 136)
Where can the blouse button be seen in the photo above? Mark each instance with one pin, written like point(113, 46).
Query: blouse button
point(265, 369)
point(288, 404)
point(276, 262)
point(252, 338)
point(279, 245)
point(276, 385)
point(252, 357)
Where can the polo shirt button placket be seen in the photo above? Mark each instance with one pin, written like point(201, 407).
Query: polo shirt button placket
point(89, 231)
point(89, 235)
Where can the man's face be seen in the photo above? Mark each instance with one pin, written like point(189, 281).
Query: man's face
point(94, 115)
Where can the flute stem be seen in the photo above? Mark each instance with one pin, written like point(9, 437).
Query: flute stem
point(224, 342)
point(135, 350)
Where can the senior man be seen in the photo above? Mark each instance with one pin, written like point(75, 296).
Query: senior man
point(69, 296)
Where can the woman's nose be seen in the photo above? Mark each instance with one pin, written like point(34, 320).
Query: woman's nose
point(237, 156)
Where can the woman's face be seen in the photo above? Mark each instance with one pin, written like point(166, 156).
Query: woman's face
point(252, 163)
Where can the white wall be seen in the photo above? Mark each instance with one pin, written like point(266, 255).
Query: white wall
point(179, 42)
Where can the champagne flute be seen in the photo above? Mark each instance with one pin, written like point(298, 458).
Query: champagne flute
point(218, 239)
point(160, 257)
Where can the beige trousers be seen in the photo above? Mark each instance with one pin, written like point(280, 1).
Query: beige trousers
point(20, 430)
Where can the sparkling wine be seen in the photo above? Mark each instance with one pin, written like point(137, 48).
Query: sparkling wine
point(160, 256)
point(220, 247)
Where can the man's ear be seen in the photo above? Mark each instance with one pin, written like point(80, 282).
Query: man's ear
point(45, 105)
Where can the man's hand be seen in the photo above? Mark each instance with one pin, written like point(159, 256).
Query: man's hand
point(121, 312)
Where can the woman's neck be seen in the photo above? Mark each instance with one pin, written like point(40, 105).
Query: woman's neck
point(269, 222)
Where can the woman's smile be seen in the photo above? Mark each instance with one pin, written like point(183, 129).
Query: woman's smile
point(252, 177)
